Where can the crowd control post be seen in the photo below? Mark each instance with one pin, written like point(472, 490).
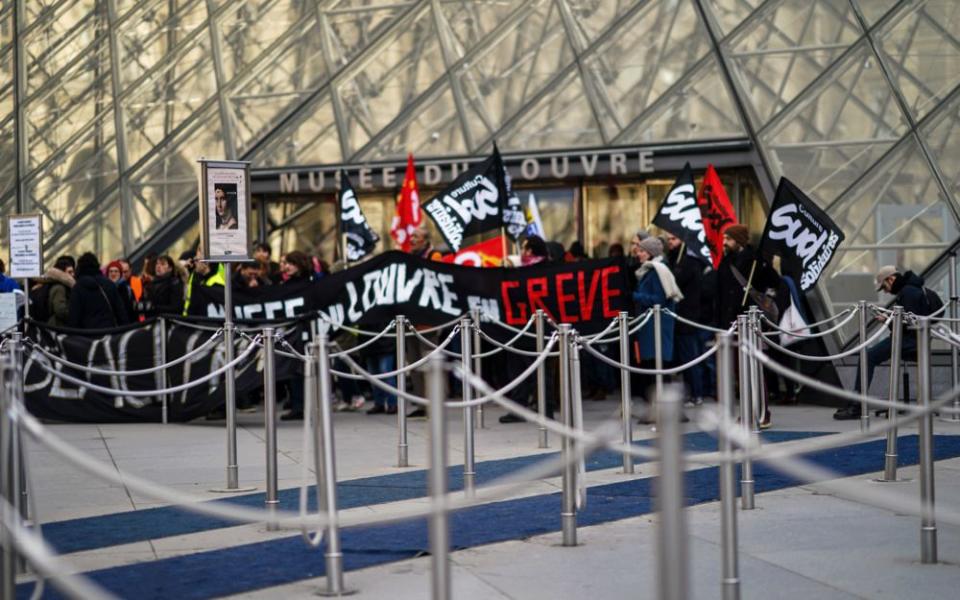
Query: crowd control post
point(890, 455)
point(402, 447)
point(439, 526)
point(658, 349)
point(568, 509)
point(862, 371)
point(730, 582)
point(18, 475)
point(954, 351)
point(479, 421)
point(928, 522)
point(8, 557)
point(162, 375)
point(270, 420)
point(466, 360)
point(333, 556)
point(541, 379)
point(746, 412)
point(672, 527)
point(625, 400)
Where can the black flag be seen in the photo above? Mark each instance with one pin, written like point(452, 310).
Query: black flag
point(680, 215)
point(801, 233)
point(474, 203)
point(361, 239)
point(514, 217)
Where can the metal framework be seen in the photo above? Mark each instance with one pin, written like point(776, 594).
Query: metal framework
point(106, 104)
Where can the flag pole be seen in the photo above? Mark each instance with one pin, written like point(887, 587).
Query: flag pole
point(746, 288)
point(683, 250)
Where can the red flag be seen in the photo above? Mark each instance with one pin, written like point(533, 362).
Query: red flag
point(408, 216)
point(716, 212)
point(488, 253)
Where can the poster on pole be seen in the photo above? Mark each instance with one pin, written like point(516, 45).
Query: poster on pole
point(225, 210)
point(25, 233)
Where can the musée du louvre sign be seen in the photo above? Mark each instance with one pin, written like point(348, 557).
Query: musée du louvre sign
point(433, 172)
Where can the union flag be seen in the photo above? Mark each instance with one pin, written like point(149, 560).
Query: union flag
point(716, 213)
point(488, 253)
point(408, 216)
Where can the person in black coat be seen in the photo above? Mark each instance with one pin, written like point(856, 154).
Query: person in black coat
point(687, 343)
point(738, 254)
point(914, 298)
point(94, 300)
point(165, 291)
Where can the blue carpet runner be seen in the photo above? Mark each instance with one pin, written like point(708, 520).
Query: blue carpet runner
point(90, 533)
point(277, 562)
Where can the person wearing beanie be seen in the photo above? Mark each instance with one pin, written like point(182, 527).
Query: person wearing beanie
point(655, 286)
point(687, 269)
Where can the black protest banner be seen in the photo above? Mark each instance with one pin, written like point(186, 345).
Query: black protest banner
point(801, 233)
point(473, 204)
point(586, 294)
point(361, 239)
point(514, 217)
point(680, 215)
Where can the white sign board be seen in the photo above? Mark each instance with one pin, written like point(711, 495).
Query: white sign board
point(225, 210)
point(8, 311)
point(26, 246)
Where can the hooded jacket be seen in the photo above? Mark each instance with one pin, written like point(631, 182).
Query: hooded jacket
point(911, 295)
point(58, 296)
point(95, 303)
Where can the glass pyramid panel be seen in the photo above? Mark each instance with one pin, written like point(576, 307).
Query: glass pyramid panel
point(942, 134)
point(780, 54)
point(923, 53)
point(436, 131)
point(838, 130)
point(730, 13)
point(313, 140)
point(873, 10)
point(155, 32)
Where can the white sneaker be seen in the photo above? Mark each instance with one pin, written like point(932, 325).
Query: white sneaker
point(357, 402)
point(341, 406)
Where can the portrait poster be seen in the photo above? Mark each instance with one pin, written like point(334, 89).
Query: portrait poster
point(225, 211)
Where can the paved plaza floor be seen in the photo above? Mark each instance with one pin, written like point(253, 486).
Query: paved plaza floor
point(802, 541)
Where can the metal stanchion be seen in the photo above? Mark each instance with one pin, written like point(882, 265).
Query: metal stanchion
point(568, 510)
point(746, 412)
point(862, 374)
point(890, 455)
point(755, 372)
point(954, 352)
point(658, 350)
point(625, 400)
point(928, 522)
point(480, 421)
point(672, 527)
point(270, 420)
point(19, 499)
point(402, 447)
point(8, 557)
point(439, 526)
point(466, 354)
point(730, 581)
point(541, 380)
point(164, 398)
point(333, 556)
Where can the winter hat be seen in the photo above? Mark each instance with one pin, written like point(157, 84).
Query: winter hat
point(652, 245)
point(738, 233)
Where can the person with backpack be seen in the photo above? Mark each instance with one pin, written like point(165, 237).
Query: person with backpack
point(50, 300)
point(94, 300)
point(914, 298)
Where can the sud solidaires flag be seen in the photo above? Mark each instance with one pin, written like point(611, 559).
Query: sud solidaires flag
point(488, 253)
point(475, 203)
point(716, 213)
point(408, 216)
point(361, 239)
point(801, 233)
point(680, 215)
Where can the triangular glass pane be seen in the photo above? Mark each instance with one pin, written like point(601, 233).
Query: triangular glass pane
point(594, 18)
point(650, 53)
point(730, 13)
point(152, 33)
point(563, 118)
point(923, 53)
point(785, 49)
point(942, 134)
point(470, 21)
point(355, 23)
point(873, 10)
point(311, 139)
point(252, 30)
point(698, 107)
point(435, 131)
point(896, 216)
point(838, 130)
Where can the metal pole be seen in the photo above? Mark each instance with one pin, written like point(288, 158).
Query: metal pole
point(466, 354)
point(333, 555)
point(568, 510)
point(928, 522)
point(658, 350)
point(477, 363)
point(890, 456)
point(541, 380)
point(233, 476)
point(755, 372)
point(730, 581)
point(270, 420)
point(439, 527)
point(746, 412)
point(8, 569)
point(19, 499)
point(402, 447)
point(672, 529)
point(26, 299)
point(164, 399)
point(954, 352)
point(625, 400)
point(864, 409)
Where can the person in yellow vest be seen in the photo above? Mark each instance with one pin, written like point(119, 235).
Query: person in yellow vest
point(204, 273)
